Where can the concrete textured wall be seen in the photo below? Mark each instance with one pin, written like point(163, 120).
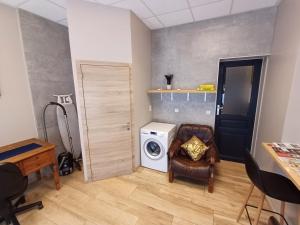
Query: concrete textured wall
point(47, 54)
point(192, 53)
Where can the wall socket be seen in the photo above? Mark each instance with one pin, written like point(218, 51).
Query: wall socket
point(176, 110)
point(150, 108)
point(207, 112)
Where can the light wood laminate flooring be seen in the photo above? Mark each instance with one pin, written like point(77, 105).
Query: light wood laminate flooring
point(143, 198)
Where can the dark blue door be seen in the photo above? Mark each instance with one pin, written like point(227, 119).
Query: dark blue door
point(238, 88)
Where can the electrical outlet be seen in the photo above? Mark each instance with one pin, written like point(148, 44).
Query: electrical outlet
point(176, 110)
point(207, 112)
point(150, 108)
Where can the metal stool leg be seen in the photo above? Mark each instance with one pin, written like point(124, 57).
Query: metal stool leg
point(282, 209)
point(245, 203)
point(266, 210)
point(260, 206)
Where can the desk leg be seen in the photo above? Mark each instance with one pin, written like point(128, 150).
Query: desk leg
point(56, 176)
point(38, 175)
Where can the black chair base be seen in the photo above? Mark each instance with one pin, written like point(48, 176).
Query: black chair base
point(266, 210)
point(38, 205)
point(12, 218)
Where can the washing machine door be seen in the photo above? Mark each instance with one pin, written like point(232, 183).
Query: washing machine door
point(154, 149)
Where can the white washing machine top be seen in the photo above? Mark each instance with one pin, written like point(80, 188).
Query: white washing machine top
point(155, 141)
point(158, 127)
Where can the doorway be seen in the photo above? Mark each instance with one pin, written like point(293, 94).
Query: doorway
point(238, 87)
point(105, 101)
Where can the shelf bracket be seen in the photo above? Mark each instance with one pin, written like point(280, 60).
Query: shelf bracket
point(205, 96)
point(188, 96)
point(172, 96)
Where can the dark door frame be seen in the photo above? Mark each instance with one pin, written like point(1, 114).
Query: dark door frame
point(257, 63)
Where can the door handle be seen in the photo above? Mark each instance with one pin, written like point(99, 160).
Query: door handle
point(219, 109)
point(127, 126)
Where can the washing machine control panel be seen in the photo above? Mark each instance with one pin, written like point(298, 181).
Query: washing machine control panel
point(154, 133)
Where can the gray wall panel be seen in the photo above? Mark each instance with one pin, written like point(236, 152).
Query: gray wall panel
point(47, 54)
point(191, 52)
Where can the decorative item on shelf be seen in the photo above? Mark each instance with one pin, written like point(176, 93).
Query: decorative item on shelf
point(206, 87)
point(169, 78)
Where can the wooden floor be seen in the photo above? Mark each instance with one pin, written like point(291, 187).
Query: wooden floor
point(144, 197)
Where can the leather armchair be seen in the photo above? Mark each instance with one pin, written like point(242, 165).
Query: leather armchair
point(180, 163)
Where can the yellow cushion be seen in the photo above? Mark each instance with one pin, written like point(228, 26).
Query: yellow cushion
point(195, 148)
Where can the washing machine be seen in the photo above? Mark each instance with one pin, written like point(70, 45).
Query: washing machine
point(156, 139)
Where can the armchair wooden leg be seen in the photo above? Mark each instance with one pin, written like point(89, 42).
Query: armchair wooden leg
point(210, 185)
point(171, 176)
point(260, 206)
point(211, 180)
point(245, 202)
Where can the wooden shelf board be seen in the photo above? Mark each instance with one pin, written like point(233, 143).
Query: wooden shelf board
point(179, 91)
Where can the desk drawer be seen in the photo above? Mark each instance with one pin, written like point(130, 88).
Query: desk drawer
point(37, 162)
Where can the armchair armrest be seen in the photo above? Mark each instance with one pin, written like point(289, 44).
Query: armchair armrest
point(174, 148)
point(211, 154)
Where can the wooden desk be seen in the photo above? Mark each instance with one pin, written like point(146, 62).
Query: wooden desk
point(290, 172)
point(34, 160)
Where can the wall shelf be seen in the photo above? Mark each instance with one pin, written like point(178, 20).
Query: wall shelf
point(180, 91)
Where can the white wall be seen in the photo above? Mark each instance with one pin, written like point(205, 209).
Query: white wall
point(99, 32)
point(291, 131)
point(96, 33)
point(103, 33)
point(16, 111)
point(280, 102)
point(141, 79)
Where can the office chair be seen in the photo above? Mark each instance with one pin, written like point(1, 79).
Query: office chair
point(270, 184)
point(12, 188)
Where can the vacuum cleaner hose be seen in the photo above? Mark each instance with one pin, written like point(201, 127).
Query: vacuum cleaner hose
point(76, 161)
point(61, 106)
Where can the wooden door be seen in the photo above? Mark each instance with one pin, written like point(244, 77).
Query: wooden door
point(238, 88)
point(106, 108)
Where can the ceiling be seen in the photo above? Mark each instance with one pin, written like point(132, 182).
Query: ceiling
point(155, 13)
